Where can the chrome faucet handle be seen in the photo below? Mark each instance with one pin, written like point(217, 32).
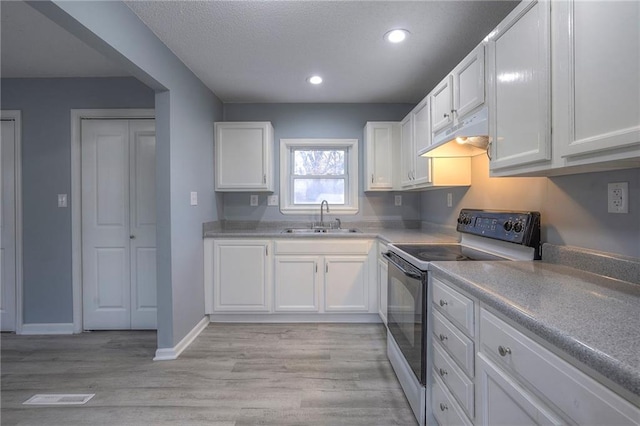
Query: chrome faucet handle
point(339, 223)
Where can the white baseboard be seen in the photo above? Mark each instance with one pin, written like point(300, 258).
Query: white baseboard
point(168, 354)
point(296, 317)
point(47, 328)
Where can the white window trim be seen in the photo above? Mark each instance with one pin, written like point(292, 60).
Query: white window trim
point(287, 207)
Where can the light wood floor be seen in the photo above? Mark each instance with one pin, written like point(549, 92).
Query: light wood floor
point(234, 374)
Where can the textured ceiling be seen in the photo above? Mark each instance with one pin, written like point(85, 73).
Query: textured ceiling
point(34, 46)
point(263, 51)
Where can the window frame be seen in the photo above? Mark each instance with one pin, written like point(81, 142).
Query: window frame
point(351, 172)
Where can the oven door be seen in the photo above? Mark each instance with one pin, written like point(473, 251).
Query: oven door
point(406, 315)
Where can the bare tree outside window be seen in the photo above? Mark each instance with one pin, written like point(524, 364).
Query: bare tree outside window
point(319, 175)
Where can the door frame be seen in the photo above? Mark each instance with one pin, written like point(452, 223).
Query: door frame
point(16, 116)
point(76, 198)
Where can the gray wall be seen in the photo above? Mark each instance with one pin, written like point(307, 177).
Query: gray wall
point(319, 121)
point(46, 171)
point(573, 208)
point(185, 112)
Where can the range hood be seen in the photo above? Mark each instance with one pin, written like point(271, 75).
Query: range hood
point(466, 139)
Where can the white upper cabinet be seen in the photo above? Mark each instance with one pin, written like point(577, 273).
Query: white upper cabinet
point(442, 104)
point(407, 153)
point(468, 83)
point(519, 89)
point(415, 132)
point(421, 140)
point(596, 80)
point(244, 156)
point(460, 93)
point(381, 149)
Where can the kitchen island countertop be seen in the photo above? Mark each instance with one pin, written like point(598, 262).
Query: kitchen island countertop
point(590, 320)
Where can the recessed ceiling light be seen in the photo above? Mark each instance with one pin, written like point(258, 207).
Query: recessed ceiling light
point(396, 36)
point(315, 79)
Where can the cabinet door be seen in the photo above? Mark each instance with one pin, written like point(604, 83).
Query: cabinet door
point(243, 156)
point(442, 104)
point(503, 402)
point(421, 140)
point(346, 284)
point(379, 156)
point(407, 152)
point(297, 283)
point(468, 83)
point(241, 276)
point(598, 76)
point(383, 284)
point(519, 90)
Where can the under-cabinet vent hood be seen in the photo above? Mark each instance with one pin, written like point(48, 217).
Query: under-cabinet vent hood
point(466, 139)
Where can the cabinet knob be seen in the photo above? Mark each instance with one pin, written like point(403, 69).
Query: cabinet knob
point(442, 372)
point(446, 115)
point(443, 302)
point(504, 351)
point(132, 237)
point(444, 337)
point(371, 178)
point(443, 406)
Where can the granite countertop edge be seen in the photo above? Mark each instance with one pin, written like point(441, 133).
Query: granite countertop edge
point(595, 359)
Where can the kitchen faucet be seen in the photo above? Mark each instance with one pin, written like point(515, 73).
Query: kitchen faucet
point(321, 213)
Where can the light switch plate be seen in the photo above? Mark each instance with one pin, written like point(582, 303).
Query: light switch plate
point(398, 200)
point(272, 200)
point(194, 198)
point(253, 202)
point(62, 200)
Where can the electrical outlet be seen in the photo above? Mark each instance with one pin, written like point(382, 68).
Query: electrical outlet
point(449, 199)
point(194, 198)
point(272, 200)
point(254, 201)
point(62, 200)
point(618, 197)
point(398, 200)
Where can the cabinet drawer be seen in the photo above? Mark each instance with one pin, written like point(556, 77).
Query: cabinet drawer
point(455, 380)
point(325, 247)
point(459, 346)
point(580, 397)
point(455, 306)
point(445, 409)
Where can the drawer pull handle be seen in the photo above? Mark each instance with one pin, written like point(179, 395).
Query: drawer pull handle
point(443, 406)
point(444, 337)
point(503, 351)
point(443, 302)
point(442, 372)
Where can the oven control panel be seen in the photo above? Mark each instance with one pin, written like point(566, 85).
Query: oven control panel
point(514, 227)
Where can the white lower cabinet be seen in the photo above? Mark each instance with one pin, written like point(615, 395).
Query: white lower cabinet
point(287, 276)
point(297, 283)
point(504, 402)
point(572, 396)
point(516, 381)
point(241, 275)
point(346, 284)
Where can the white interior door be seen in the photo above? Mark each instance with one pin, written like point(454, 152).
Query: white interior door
point(142, 237)
point(118, 224)
point(8, 227)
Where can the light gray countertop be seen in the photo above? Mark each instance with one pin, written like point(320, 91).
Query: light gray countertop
point(590, 318)
point(388, 235)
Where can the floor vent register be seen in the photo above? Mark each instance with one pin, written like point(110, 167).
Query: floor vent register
point(59, 399)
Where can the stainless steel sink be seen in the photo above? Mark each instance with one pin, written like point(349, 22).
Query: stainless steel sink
point(312, 231)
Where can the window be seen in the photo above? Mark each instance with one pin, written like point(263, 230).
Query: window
point(313, 170)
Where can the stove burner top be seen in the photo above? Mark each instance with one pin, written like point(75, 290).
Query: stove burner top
point(434, 252)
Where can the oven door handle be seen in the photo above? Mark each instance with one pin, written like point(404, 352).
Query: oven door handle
point(404, 271)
